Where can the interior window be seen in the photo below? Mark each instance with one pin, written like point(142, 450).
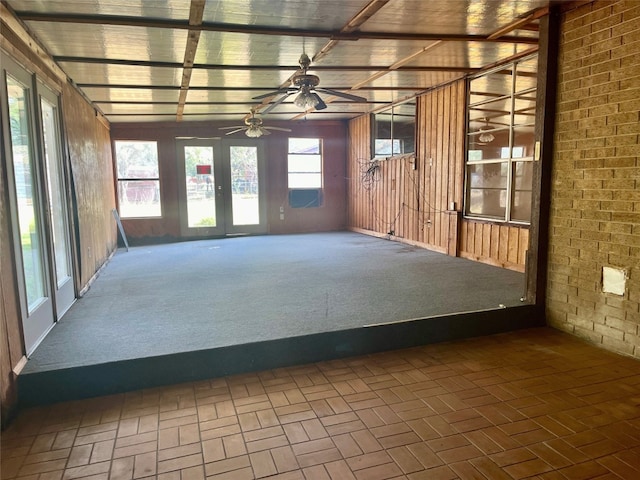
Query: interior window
point(304, 172)
point(394, 130)
point(500, 142)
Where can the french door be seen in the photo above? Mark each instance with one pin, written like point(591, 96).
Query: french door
point(59, 238)
point(221, 187)
point(37, 201)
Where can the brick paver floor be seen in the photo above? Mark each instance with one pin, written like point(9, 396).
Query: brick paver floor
point(535, 404)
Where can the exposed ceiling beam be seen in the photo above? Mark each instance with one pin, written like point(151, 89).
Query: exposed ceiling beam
point(10, 22)
point(196, 14)
point(397, 64)
point(356, 22)
point(231, 89)
point(260, 30)
point(209, 66)
point(519, 22)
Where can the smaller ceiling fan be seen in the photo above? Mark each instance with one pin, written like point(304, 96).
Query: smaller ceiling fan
point(306, 86)
point(253, 127)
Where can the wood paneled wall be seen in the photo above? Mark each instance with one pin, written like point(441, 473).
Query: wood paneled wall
point(419, 198)
point(89, 156)
point(409, 197)
point(501, 245)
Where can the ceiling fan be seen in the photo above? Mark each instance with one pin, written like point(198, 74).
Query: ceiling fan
point(306, 86)
point(253, 127)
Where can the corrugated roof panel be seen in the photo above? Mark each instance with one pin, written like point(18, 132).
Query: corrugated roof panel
point(168, 9)
point(472, 17)
point(101, 94)
point(233, 89)
point(326, 15)
point(233, 109)
point(112, 41)
point(251, 49)
point(100, 74)
point(137, 109)
point(133, 118)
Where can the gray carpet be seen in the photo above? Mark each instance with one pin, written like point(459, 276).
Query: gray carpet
point(196, 295)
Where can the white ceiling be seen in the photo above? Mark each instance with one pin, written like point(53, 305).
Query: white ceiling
point(129, 56)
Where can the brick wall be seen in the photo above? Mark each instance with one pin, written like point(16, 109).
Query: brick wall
point(595, 198)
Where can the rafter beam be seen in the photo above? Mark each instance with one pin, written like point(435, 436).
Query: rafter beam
point(211, 66)
point(519, 23)
point(196, 13)
point(230, 89)
point(259, 30)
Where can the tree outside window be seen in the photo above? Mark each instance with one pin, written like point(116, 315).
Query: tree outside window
point(138, 179)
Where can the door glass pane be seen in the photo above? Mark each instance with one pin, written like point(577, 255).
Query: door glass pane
point(201, 183)
point(244, 185)
point(25, 181)
point(56, 196)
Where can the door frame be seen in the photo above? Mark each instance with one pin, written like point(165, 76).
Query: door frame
point(36, 323)
point(64, 296)
point(262, 226)
point(222, 186)
point(185, 229)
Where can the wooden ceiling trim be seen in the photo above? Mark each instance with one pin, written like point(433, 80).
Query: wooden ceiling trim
point(519, 23)
point(261, 30)
point(196, 14)
point(232, 89)
point(397, 64)
point(356, 22)
point(511, 59)
point(13, 24)
point(212, 66)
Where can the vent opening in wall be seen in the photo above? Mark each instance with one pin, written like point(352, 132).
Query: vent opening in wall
point(614, 280)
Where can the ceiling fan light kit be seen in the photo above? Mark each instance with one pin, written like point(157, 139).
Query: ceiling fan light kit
point(253, 127)
point(306, 86)
point(486, 137)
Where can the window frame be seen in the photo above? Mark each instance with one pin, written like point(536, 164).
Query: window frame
point(120, 179)
point(510, 160)
point(319, 173)
point(309, 196)
point(391, 111)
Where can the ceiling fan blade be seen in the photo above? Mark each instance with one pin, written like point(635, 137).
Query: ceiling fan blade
point(348, 96)
point(264, 131)
point(275, 104)
point(320, 105)
point(231, 128)
point(236, 131)
point(280, 129)
point(271, 94)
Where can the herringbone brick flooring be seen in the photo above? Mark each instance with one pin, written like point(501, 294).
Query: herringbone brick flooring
point(531, 404)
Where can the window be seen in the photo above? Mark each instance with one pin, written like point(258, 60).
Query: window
point(304, 172)
point(394, 130)
point(138, 179)
point(500, 142)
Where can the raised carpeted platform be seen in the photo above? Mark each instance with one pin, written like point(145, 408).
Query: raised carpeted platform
point(184, 311)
